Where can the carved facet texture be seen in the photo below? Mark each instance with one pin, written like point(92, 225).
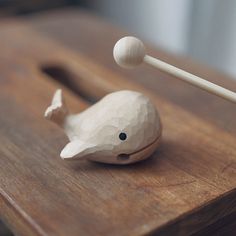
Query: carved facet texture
point(121, 128)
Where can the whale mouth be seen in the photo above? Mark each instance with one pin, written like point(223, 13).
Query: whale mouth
point(123, 157)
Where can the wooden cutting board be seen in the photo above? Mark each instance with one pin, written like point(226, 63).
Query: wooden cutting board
point(186, 187)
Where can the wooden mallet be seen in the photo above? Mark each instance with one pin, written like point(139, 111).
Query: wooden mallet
point(130, 51)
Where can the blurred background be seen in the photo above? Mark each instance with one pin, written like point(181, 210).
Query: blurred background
point(202, 29)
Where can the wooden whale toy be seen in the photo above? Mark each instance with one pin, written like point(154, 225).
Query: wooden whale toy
point(123, 127)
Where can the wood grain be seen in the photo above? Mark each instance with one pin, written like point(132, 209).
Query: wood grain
point(188, 184)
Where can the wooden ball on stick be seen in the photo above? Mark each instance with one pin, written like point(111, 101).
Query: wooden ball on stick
point(130, 51)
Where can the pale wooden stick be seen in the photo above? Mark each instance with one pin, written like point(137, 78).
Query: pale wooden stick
point(190, 78)
point(130, 51)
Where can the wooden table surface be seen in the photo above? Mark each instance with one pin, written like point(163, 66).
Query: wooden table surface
point(186, 187)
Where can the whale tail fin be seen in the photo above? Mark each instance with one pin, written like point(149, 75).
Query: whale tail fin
point(57, 111)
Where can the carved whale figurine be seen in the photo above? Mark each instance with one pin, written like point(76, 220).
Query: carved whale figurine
point(123, 127)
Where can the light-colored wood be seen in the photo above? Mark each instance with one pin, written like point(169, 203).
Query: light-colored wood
point(58, 110)
point(122, 128)
point(192, 79)
point(130, 51)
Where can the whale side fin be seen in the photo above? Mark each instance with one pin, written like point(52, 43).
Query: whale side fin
point(57, 111)
point(70, 150)
point(77, 149)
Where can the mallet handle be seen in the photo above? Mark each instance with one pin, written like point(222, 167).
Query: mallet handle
point(190, 78)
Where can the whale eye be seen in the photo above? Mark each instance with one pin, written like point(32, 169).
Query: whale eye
point(122, 136)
